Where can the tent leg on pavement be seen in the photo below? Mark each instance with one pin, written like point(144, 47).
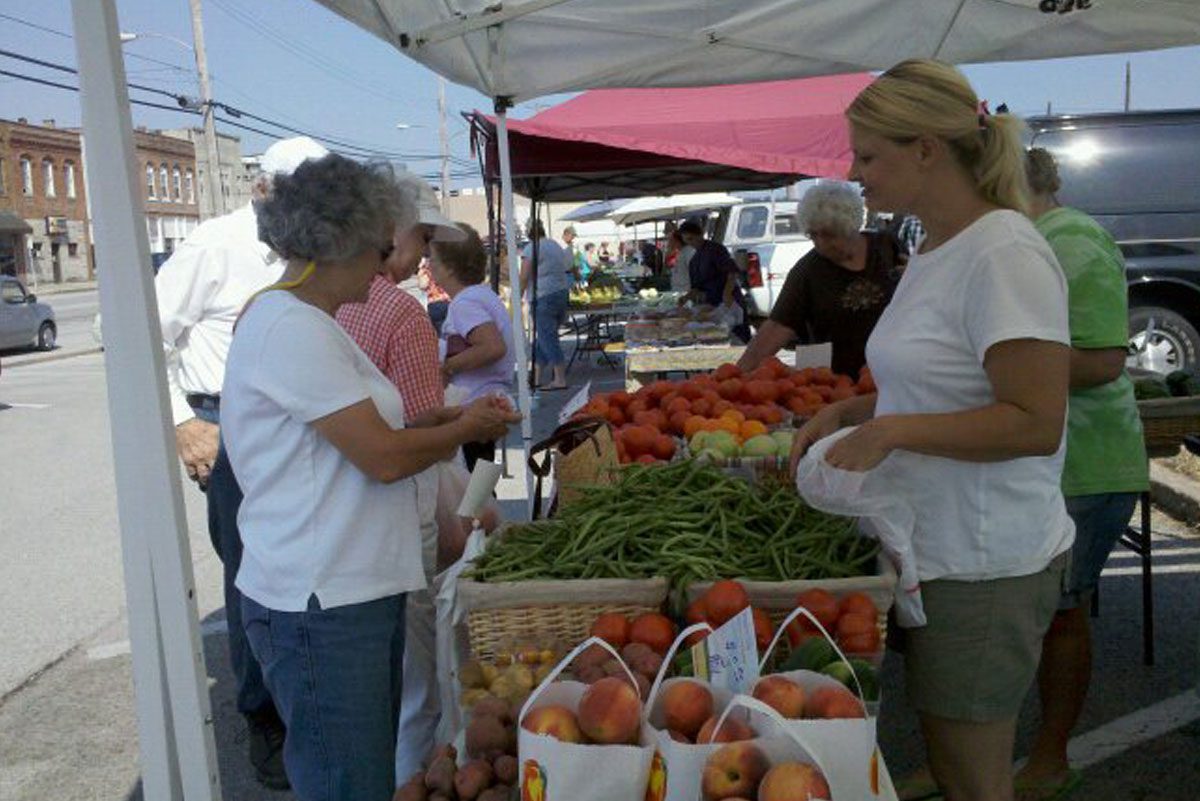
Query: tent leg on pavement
point(175, 723)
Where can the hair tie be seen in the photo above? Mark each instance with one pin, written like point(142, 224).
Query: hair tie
point(984, 113)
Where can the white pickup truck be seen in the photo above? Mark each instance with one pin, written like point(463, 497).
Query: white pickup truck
point(762, 236)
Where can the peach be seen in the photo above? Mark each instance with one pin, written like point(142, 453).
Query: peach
point(781, 694)
point(733, 771)
point(686, 705)
point(793, 781)
point(678, 736)
point(554, 721)
point(610, 711)
point(833, 702)
point(732, 731)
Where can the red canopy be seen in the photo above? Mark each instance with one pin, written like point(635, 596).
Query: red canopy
point(623, 142)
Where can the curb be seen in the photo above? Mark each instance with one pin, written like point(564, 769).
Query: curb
point(1176, 494)
point(46, 292)
point(52, 357)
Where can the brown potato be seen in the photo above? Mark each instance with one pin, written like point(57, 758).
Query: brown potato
point(473, 778)
point(488, 737)
point(506, 769)
point(440, 776)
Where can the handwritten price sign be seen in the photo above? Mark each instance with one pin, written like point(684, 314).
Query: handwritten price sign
point(729, 655)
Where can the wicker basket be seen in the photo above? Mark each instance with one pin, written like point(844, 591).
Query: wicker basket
point(1166, 421)
point(504, 614)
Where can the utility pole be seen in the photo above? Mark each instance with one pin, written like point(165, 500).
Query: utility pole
point(210, 128)
point(1128, 83)
point(444, 135)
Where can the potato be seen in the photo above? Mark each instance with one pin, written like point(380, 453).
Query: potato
point(542, 671)
point(591, 675)
point(614, 668)
point(445, 749)
point(490, 672)
point(439, 797)
point(471, 697)
point(593, 656)
point(506, 769)
point(522, 676)
point(488, 738)
point(498, 792)
point(494, 707)
point(470, 675)
point(643, 684)
point(473, 778)
point(440, 776)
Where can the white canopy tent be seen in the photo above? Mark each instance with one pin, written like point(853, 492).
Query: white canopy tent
point(511, 51)
point(672, 207)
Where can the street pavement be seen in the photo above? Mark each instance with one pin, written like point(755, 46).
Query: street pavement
point(67, 723)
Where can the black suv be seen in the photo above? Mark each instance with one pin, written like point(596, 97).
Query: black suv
point(1138, 174)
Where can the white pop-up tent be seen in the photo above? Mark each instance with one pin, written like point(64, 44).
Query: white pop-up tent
point(510, 51)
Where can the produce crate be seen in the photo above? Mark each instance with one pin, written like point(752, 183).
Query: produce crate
point(501, 613)
point(1166, 421)
point(778, 598)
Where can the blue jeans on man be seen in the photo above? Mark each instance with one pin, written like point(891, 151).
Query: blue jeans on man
point(337, 676)
point(254, 701)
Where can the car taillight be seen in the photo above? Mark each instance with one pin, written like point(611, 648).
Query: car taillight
point(754, 270)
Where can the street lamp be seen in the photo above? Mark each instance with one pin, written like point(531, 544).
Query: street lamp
point(210, 128)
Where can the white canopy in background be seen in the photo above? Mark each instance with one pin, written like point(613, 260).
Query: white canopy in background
point(522, 49)
point(671, 207)
point(513, 51)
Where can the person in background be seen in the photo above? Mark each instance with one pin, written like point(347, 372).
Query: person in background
point(713, 275)
point(591, 260)
point(605, 255)
point(438, 300)
point(477, 336)
point(838, 290)
point(574, 254)
point(394, 331)
point(1105, 469)
point(552, 286)
point(326, 454)
point(200, 291)
point(972, 360)
point(682, 252)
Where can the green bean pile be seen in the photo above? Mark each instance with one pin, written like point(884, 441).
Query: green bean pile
point(688, 522)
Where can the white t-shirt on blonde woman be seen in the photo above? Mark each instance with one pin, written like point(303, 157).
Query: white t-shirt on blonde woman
point(311, 522)
point(996, 280)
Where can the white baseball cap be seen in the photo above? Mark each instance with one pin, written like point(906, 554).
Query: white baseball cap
point(287, 154)
point(429, 212)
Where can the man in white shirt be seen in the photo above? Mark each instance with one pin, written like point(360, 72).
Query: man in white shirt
point(201, 291)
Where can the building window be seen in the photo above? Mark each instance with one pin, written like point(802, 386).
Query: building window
point(164, 182)
point(48, 177)
point(26, 176)
point(69, 178)
point(177, 183)
point(72, 248)
point(190, 180)
point(150, 182)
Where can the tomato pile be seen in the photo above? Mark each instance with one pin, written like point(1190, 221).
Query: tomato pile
point(744, 404)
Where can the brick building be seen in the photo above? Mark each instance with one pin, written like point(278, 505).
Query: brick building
point(41, 183)
point(169, 188)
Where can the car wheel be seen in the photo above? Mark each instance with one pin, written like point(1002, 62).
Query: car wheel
point(1162, 340)
point(46, 337)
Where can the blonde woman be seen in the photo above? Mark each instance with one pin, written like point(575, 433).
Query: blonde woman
point(972, 362)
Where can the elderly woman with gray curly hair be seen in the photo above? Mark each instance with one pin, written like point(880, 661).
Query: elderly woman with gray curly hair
point(326, 457)
point(838, 290)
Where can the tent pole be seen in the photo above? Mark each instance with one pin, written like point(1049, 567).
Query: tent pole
point(175, 725)
point(524, 400)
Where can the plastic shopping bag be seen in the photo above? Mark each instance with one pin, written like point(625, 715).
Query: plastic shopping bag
point(453, 646)
point(874, 497)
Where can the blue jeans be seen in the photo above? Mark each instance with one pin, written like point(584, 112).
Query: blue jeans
point(549, 314)
point(1100, 520)
point(336, 675)
point(224, 499)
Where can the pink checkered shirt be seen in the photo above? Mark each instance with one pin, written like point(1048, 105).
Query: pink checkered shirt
point(395, 332)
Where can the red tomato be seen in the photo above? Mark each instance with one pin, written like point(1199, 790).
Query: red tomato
point(764, 632)
point(858, 603)
point(725, 599)
point(664, 447)
point(612, 628)
point(730, 389)
point(861, 644)
point(727, 371)
point(823, 606)
point(654, 630)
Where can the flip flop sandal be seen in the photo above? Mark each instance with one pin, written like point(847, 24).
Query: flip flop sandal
point(1031, 791)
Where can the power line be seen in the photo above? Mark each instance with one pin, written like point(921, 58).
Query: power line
point(63, 68)
point(66, 35)
point(325, 65)
point(134, 101)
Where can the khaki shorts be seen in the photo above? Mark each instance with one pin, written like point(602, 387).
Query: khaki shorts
point(977, 657)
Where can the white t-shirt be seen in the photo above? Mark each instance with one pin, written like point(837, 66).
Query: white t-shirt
point(311, 522)
point(997, 280)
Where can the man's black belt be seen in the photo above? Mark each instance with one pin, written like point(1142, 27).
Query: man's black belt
point(201, 401)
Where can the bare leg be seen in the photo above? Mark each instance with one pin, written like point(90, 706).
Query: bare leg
point(971, 761)
point(1063, 678)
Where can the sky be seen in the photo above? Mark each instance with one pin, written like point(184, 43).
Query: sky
point(296, 63)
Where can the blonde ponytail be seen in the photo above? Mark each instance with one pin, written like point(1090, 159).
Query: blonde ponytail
point(924, 97)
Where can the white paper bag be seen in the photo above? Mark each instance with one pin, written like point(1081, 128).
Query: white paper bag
point(845, 749)
point(874, 497)
point(551, 770)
